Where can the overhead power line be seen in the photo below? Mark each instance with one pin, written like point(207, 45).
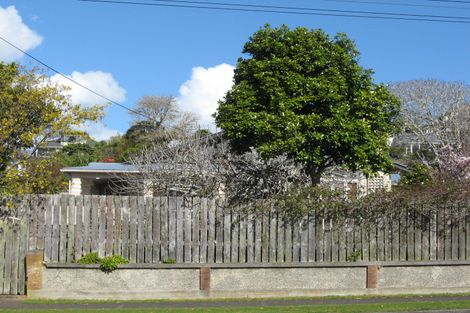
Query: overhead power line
point(225, 4)
point(451, 1)
point(292, 10)
point(400, 4)
point(74, 81)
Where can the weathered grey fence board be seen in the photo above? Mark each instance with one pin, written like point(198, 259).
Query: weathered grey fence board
point(304, 240)
point(266, 242)
point(258, 234)
point(235, 237)
point(117, 226)
point(219, 234)
point(280, 240)
point(211, 230)
point(125, 227)
point(3, 263)
point(164, 228)
point(425, 226)
point(250, 240)
point(133, 229)
point(9, 246)
point(203, 231)
point(187, 215)
point(147, 229)
point(172, 228)
point(48, 230)
point(461, 237)
point(195, 237)
point(140, 229)
point(78, 232)
point(311, 238)
point(63, 229)
point(179, 229)
point(271, 236)
point(148, 234)
point(71, 222)
point(296, 241)
point(228, 237)
point(156, 230)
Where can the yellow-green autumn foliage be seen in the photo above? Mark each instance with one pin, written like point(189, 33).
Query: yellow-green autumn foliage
point(33, 110)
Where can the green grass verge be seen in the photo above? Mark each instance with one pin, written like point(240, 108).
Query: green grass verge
point(350, 308)
point(320, 298)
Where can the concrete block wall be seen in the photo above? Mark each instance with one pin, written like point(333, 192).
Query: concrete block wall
point(192, 281)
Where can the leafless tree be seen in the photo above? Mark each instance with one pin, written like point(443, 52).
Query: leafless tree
point(437, 113)
point(164, 116)
point(178, 165)
point(250, 177)
point(205, 166)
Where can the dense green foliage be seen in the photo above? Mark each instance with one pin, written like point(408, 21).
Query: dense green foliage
point(32, 112)
point(111, 262)
point(107, 264)
point(90, 258)
point(418, 174)
point(304, 94)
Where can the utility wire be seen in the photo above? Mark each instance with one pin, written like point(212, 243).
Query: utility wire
point(309, 9)
point(341, 13)
point(400, 4)
point(74, 81)
point(452, 1)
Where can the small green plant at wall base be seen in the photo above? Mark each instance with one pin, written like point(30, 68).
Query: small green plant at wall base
point(90, 258)
point(110, 263)
point(169, 261)
point(107, 264)
point(354, 256)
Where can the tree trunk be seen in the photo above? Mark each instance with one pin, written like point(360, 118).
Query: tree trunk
point(314, 172)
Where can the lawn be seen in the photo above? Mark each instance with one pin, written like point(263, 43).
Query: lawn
point(349, 308)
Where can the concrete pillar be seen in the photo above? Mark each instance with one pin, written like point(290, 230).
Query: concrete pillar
point(34, 269)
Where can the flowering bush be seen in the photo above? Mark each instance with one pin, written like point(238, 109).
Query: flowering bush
point(454, 164)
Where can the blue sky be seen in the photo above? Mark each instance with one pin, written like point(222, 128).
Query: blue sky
point(126, 51)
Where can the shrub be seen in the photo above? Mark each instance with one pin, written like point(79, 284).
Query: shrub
point(107, 264)
point(90, 258)
point(418, 174)
point(110, 263)
point(169, 261)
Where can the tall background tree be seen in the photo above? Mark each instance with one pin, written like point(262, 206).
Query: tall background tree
point(302, 93)
point(437, 115)
point(32, 111)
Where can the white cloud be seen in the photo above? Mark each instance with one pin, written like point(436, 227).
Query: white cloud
point(14, 30)
point(202, 91)
point(99, 131)
point(98, 81)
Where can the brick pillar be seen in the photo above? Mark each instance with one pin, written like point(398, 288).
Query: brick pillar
point(205, 278)
point(34, 268)
point(372, 272)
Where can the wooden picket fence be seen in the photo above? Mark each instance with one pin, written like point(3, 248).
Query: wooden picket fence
point(197, 230)
point(13, 248)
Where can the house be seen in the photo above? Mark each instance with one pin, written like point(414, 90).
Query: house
point(97, 178)
point(356, 184)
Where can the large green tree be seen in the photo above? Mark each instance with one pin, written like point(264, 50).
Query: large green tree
point(32, 112)
point(302, 93)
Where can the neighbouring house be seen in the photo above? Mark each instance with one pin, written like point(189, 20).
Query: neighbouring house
point(356, 184)
point(97, 178)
